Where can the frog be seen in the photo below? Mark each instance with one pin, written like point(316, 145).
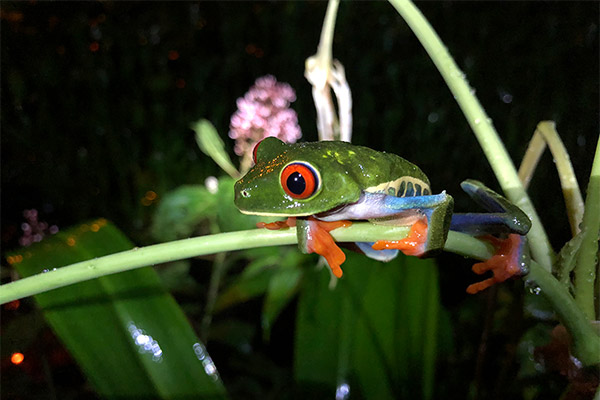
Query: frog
point(322, 186)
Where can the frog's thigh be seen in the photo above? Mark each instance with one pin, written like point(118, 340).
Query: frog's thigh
point(436, 208)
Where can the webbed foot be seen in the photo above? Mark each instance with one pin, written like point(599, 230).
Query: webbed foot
point(414, 244)
point(510, 260)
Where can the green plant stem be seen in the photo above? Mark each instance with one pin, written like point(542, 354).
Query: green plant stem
point(482, 127)
point(545, 133)
point(585, 340)
point(222, 242)
point(587, 257)
point(177, 250)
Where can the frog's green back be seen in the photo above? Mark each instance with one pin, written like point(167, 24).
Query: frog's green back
point(343, 170)
point(376, 172)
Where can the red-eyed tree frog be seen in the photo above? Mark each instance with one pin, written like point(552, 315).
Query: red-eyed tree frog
point(322, 186)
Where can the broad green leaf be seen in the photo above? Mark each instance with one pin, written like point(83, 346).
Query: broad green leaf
point(181, 210)
point(374, 335)
point(282, 288)
point(126, 332)
point(211, 144)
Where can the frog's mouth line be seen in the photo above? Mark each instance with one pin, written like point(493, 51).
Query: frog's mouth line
point(271, 214)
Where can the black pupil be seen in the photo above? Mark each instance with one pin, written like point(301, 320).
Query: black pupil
point(296, 183)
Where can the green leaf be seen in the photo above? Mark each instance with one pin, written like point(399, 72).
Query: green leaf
point(253, 282)
point(282, 288)
point(126, 332)
point(181, 210)
point(376, 332)
point(211, 144)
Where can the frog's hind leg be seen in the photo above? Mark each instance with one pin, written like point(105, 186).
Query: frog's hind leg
point(428, 233)
point(503, 217)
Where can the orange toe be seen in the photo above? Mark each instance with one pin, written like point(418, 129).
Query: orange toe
point(321, 242)
point(504, 264)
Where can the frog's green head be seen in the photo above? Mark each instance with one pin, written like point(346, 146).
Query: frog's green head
point(296, 179)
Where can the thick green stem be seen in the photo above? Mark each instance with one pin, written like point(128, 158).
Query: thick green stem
point(587, 257)
point(482, 127)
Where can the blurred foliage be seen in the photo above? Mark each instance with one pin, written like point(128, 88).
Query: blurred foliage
point(97, 102)
point(119, 328)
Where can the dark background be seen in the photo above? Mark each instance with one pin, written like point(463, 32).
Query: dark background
point(95, 113)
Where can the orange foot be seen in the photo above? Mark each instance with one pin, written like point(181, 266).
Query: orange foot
point(320, 241)
point(411, 245)
point(505, 264)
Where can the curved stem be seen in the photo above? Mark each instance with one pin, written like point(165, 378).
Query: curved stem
point(545, 133)
point(587, 258)
point(482, 127)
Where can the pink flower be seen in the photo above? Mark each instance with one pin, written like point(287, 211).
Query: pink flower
point(34, 230)
point(264, 111)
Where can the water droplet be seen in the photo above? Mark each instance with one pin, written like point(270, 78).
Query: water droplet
point(91, 266)
point(477, 121)
point(533, 287)
point(45, 270)
point(135, 248)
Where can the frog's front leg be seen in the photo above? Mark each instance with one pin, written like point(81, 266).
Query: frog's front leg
point(314, 237)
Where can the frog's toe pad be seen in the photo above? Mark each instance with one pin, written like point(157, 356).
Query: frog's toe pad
point(509, 261)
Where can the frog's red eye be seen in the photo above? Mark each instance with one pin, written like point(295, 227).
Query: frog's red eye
point(299, 180)
point(255, 150)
